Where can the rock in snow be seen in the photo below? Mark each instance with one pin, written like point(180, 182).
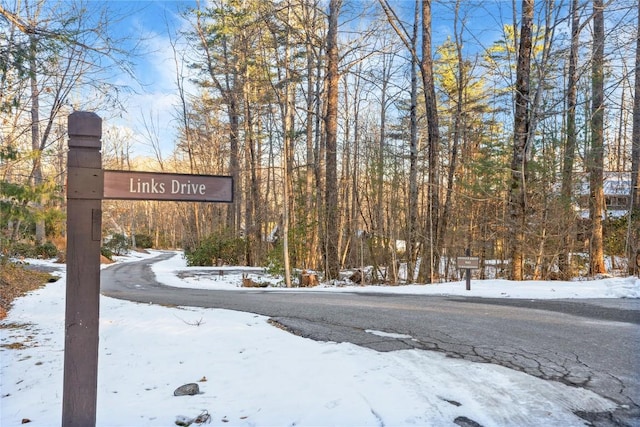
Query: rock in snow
point(187, 390)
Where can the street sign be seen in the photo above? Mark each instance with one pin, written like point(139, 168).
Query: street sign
point(468, 262)
point(127, 185)
point(87, 185)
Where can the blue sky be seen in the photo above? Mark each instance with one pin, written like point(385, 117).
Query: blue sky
point(154, 96)
point(153, 20)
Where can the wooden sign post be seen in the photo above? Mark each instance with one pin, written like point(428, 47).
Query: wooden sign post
point(468, 262)
point(87, 185)
point(84, 223)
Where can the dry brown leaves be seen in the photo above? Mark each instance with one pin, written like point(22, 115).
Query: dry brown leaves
point(15, 281)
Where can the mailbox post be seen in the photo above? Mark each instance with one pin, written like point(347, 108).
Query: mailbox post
point(84, 221)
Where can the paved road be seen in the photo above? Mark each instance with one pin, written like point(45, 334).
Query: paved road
point(593, 344)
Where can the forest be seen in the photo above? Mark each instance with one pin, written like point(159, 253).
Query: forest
point(380, 135)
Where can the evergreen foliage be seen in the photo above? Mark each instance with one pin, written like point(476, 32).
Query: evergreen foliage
point(144, 241)
point(117, 244)
point(46, 250)
point(219, 248)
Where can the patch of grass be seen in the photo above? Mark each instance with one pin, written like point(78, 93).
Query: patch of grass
point(15, 281)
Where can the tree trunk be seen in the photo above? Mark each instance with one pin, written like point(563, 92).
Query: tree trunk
point(413, 156)
point(431, 251)
point(319, 168)
point(378, 227)
point(36, 173)
point(330, 247)
point(635, 151)
point(596, 154)
point(252, 225)
point(634, 220)
point(233, 215)
point(457, 131)
point(312, 99)
point(287, 155)
point(517, 190)
point(570, 144)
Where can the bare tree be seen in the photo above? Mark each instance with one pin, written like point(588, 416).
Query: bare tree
point(310, 18)
point(410, 41)
point(634, 212)
point(596, 152)
point(413, 155)
point(64, 48)
point(330, 235)
point(571, 136)
point(288, 113)
point(461, 81)
point(635, 156)
point(433, 242)
point(517, 191)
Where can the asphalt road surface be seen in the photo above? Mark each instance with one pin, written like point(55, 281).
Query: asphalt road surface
point(591, 343)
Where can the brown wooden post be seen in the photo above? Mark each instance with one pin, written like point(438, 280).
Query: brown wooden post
point(467, 252)
point(84, 222)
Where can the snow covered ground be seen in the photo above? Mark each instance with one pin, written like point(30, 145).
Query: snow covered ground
point(253, 374)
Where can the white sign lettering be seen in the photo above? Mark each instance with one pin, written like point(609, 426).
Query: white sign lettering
point(178, 187)
point(165, 186)
point(151, 187)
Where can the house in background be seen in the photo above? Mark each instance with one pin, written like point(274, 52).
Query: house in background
point(617, 194)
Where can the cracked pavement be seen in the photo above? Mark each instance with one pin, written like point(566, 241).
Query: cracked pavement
point(599, 355)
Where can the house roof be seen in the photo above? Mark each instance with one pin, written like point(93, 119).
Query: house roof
point(615, 184)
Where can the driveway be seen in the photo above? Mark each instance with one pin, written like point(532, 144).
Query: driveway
point(593, 343)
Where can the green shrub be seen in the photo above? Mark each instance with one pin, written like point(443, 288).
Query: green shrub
point(144, 241)
point(118, 244)
point(107, 253)
point(28, 250)
point(54, 221)
point(275, 261)
point(22, 249)
point(216, 247)
point(46, 250)
point(615, 233)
